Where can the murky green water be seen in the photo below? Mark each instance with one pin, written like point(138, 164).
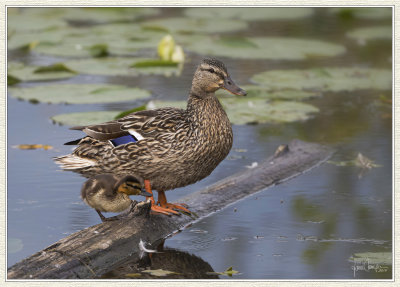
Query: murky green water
point(306, 228)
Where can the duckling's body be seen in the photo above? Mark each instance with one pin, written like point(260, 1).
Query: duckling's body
point(109, 193)
point(171, 147)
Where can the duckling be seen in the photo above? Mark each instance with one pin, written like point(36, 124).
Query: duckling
point(167, 147)
point(110, 193)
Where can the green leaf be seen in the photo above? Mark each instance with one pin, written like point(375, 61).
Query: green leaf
point(35, 73)
point(99, 50)
point(11, 80)
point(57, 67)
point(79, 93)
point(228, 272)
point(154, 63)
point(117, 66)
point(85, 118)
point(326, 79)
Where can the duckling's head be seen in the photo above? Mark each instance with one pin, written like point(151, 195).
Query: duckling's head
point(130, 185)
point(212, 75)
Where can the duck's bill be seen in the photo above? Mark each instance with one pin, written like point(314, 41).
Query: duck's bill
point(145, 193)
point(231, 87)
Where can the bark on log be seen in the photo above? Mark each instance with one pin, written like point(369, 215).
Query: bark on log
point(97, 249)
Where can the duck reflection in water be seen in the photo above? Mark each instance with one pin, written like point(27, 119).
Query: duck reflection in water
point(181, 264)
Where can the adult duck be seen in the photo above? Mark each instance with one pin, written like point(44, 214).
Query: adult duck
point(167, 147)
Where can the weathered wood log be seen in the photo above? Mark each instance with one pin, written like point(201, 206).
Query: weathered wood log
point(97, 249)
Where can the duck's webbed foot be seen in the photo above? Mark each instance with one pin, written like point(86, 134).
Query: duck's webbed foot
point(162, 200)
point(155, 208)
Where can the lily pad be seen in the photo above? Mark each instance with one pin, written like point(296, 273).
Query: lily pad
point(11, 80)
point(34, 73)
point(120, 39)
point(282, 48)
point(85, 118)
point(118, 66)
point(326, 79)
point(92, 14)
point(371, 33)
point(79, 93)
point(192, 25)
point(257, 110)
point(267, 93)
point(250, 14)
point(370, 13)
point(30, 40)
point(21, 22)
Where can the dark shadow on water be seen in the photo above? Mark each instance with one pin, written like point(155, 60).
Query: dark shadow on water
point(183, 265)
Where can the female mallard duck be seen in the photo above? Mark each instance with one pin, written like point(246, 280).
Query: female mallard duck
point(110, 193)
point(167, 147)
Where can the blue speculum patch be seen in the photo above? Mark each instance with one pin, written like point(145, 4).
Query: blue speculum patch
point(123, 140)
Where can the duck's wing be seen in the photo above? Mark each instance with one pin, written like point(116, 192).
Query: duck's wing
point(141, 124)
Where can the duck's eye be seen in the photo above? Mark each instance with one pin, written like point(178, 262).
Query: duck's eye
point(211, 70)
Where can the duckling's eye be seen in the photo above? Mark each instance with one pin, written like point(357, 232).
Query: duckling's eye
point(211, 70)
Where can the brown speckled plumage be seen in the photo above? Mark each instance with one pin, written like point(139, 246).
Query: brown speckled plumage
point(179, 147)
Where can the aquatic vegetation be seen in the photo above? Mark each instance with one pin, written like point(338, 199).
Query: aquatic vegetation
point(277, 48)
point(119, 66)
point(79, 93)
point(370, 13)
point(228, 272)
point(192, 25)
point(326, 79)
point(22, 72)
point(250, 14)
point(363, 35)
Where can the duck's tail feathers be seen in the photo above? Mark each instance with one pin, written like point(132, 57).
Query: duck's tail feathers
point(73, 162)
point(74, 142)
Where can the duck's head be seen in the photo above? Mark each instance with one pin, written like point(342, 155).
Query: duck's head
point(212, 75)
point(131, 185)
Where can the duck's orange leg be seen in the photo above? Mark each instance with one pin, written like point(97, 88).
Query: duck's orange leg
point(154, 206)
point(162, 199)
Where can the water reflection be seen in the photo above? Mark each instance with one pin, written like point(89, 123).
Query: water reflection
point(183, 265)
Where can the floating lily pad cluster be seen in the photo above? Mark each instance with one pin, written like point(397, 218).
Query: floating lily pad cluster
point(250, 14)
point(79, 93)
point(370, 33)
point(102, 49)
point(326, 79)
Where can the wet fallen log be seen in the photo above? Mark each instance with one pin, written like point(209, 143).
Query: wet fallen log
point(98, 249)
